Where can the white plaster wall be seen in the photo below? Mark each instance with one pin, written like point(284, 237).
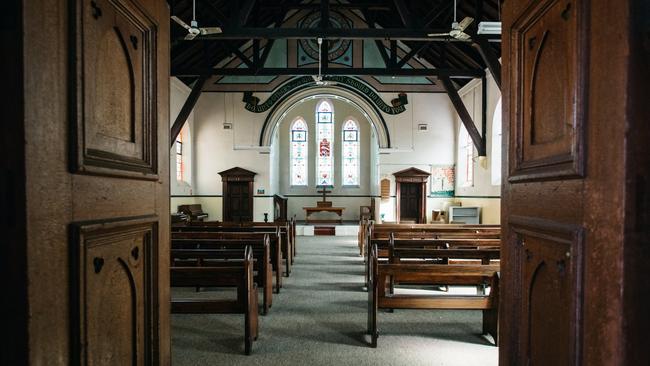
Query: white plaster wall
point(482, 193)
point(471, 95)
point(419, 149)
point(216, 149)
point(274, 166)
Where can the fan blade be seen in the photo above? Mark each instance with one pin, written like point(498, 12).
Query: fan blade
point(438, 35)
point(462, 36)
point(190, 36)
point(465, 23)
point(180, 22)
point(210, 30)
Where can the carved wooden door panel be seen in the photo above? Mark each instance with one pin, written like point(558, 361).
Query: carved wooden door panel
point(119, 160)
point(239, 202)
point(410, 201)
point(545, 64)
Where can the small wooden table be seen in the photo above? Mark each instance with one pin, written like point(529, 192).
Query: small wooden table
point(311, 210)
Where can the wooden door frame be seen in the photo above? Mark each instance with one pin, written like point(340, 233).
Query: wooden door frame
point(613, 218)
point(236, 174)
point(412, 175)
point(53, 191)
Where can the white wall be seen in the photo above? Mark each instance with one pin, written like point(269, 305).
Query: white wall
point(482, 193)
point(217, 149)
point(419, 149)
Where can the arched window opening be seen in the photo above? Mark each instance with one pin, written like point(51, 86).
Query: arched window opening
point(465, 158)
point(324, 144)
point(496, 145)
point(350, 159)
point(299, 152)
point(179, 157)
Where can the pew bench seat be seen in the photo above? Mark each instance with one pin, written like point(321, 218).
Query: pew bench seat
point(381, 296)
point(238, 274)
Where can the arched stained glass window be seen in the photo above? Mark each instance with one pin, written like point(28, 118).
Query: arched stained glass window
point(179, 157)
point(324, 144)
point(465, 158)
point(496, 145)
point(350, 153)
point(299, 152)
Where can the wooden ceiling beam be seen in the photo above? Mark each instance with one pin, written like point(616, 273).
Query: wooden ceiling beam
point(437, 12)
point(407, 34)
point(187, 108)
point(462, 55)
point(240, 55)
point(325, 24)
point(465, 117)
point(245, 11)
point(404, 13)
point(351, 6)
point(489, 57)
point(269, 71)
point(370, 19)
point(414, 51)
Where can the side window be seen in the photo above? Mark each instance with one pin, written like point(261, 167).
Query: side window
point(350, 152)
point(299, 152)
point(324, 144)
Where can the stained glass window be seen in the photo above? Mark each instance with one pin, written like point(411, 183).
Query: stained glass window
point(496, 145)
point(324, 144)
point(350, 153)
point(299, 153)
point(179, 158)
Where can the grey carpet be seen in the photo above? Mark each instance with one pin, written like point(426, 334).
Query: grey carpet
point(319, 318)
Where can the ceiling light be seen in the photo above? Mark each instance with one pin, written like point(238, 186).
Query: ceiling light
point(489, 28)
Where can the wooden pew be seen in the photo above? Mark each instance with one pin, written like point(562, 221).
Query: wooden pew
point(239, 274)
point(282, 230)
point(458, 237)
point(380, 296)
point(363, 227)
point(427, 231)
point(274, 240)
point(203, 252)
point(413, 252)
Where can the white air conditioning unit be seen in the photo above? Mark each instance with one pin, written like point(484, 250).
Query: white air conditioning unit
point(489, 28)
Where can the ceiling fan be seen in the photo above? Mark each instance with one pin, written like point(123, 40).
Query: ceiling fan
point(457, 29)
point(193, 29)
point(318, 79)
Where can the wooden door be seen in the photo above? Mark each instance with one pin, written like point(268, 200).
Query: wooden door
point(567, 187)
point(409, 201)
point(96, 124)
point(239, 202)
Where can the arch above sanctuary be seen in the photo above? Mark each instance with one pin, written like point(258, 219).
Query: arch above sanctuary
point(282, 108)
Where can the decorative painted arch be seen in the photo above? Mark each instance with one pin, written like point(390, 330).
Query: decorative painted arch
point(366, 107)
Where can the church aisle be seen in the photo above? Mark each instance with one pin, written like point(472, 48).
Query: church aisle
point(319, 318)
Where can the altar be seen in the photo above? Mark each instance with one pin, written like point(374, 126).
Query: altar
point(311, 210)
point(323, 206)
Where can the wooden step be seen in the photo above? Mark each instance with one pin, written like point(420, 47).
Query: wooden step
point(325, 230)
